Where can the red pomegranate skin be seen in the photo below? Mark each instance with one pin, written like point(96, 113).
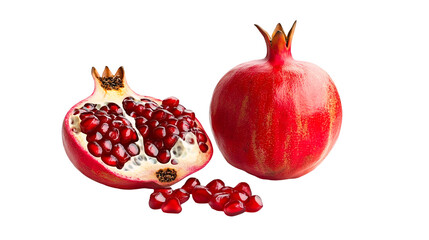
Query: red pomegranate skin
point(276, 118)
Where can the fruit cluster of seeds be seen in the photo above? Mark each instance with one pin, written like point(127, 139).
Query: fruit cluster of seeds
point(109, 134)
point(232, 201)
point(112, 137)
point(162, 125)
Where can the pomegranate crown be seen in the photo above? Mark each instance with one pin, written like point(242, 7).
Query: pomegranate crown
point(279, 43)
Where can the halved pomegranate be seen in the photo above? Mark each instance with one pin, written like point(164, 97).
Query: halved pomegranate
point(124, 140)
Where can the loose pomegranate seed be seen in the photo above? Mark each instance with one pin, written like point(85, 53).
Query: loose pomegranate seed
point(150, 149)
point(254, 204)
point(171, 205)
point(95, 149)
point(163, 156)
point(133, 149)
point(238, 195)
point(233, 208)
point(181, 194)
point(106, 145)
point(201, 194)
point(165, 191)
point(203, 147)
point(170, 101)
point(226, 189)
point(218, 201)
point(89, 124)
point(92, 137)
point(215, 185)
point(159, 132)
point(156, 200)
point(244, 187)
point(128, 135)
point(109, 160)
point(190, 184)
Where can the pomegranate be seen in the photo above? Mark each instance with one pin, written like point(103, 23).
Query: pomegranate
point(124, 140)
point(276, 118)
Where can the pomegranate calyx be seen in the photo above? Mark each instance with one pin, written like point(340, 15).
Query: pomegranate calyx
point(278, 44)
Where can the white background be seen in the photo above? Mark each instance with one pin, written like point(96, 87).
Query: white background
point(373, 184)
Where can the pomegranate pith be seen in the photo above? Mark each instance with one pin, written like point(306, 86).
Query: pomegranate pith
point(125, 140)
point(276, 118)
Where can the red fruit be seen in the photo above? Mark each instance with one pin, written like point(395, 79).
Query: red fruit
point(190, 184)
point(181, 194)
point(215, 185)
point(244, 187)
point(201, 194)
point(226, 189)
point(276, 118)
point(218, 201)
point(119, 138)
point(233, 208)
point(254, 204)
point(238, 195)
point(171, 205)
point(156, 200)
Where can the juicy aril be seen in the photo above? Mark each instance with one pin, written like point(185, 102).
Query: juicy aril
point(276, 118)
point(124, 140)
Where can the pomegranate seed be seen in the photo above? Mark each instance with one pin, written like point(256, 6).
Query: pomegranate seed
point(114, 108)
point(125, 121)
point(172, 130)
point(190, 140)
point(181, 194)
point(160, 114)
point(89, 106)
point(89, 124)
point(147, 113)
point(76, 111)
point(226, 189)
point(139, 109)
point(156, 200)
point(203, 147)
point(103, 128)
point(254, 204)
point(218, 201)
point(233, 208)
point(150, 149)
point(177, 111)
point(133, 114)
point(140, 121)
point(151, 105)
point(172, 121)
point(120, 153)
point(182, 135)
point(133, 149)
point(238, 195)
point(174, 162)
point(104, 118)
point(165, 191)
point(92, 137)
point(183, 125)
point(143, 130)
point(189, 113)
point(95, 149)
point(201, 194)
point(128, 105)
point(113, 135)
point(109, 160)
point(159, 132)
point(163, 156)
point(169, 141)
point(106, 145)
point(201, 137)
point(128, 135)
point(170, 101)
point(159, 143)
point(215, 185)
point(244, 187)
point(172, 205)
point(190, 184)
point(85, 115)
point(104, 108)
point(153, 123)
point(117, 123)
point(187, 119)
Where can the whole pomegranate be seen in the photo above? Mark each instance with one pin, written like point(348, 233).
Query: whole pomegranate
point(276, 118)
point(124, 140)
